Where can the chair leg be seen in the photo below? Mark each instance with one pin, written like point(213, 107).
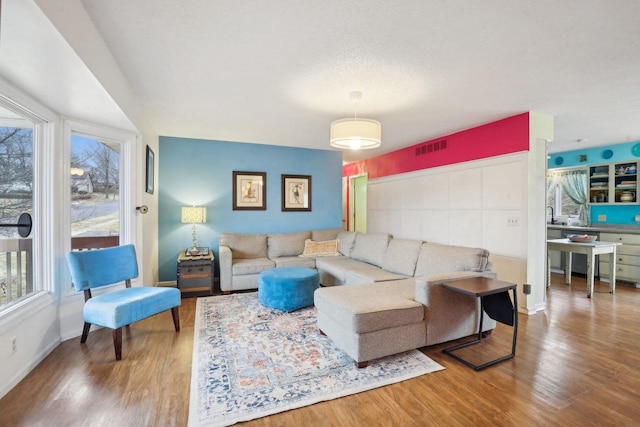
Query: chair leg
point(85, 332)
point(117, 342)
point(176, 318)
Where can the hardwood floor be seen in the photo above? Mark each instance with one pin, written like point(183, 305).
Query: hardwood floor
point(577, 364)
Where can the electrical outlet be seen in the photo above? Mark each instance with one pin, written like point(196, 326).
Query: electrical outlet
point(513, 221)
point(14, 344)
point(602, 218)
point(638, 219)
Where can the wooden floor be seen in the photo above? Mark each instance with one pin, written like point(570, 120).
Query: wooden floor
point(577, 364)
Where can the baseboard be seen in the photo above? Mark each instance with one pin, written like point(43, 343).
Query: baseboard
point(168, 284)
point(540, 307)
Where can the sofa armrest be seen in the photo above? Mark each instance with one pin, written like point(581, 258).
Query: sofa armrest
point(450, 315)
point(427, 287)
point(226, 272)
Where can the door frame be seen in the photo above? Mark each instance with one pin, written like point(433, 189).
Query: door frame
point(351, 208)
point(128, 180)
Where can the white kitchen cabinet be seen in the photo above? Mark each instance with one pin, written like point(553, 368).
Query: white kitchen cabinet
point(613, 183)
point(627, 257)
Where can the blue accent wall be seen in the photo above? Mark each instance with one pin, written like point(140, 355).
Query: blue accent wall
point(627, 151)
point(199, 172)
point(595, 155)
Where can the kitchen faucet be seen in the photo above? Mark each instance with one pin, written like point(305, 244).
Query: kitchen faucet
point(553, 221)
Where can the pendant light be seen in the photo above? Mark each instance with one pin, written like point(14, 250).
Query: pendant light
point(356, 133)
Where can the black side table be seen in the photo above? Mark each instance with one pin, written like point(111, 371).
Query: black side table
point(495, 301)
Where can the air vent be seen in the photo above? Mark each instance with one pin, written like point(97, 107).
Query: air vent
point(431, 147)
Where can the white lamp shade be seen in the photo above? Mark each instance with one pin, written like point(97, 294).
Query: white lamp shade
point(194, 215)
point(356, 134)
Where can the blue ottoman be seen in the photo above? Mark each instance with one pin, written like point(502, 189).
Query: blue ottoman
point(288, 288)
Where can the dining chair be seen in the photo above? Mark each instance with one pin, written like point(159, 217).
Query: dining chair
point(114, 309)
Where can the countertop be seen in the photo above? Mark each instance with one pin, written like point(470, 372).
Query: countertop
point(602, 228)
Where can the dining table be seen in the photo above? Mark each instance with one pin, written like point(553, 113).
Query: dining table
point(591, 249)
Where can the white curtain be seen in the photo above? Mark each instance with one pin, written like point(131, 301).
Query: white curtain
point(574, 184)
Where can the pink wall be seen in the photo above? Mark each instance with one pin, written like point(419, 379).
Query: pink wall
point(510, 135)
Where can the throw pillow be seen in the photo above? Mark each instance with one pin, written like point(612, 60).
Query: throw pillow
point(324, 248)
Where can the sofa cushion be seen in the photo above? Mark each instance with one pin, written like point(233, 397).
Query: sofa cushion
point(370, 307)
point(245, 266)
point(294, 261)
point(370, 247)
point(245, 245)
point(338, 266)
point(370, 275)
point(323, 248)
point(436, 258)
point(287, 244)
point(325, 234)
point(345, 242)
point(401, 256)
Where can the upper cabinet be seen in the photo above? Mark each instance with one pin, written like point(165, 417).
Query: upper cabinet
point(613, 183)
point(626, 182)
point(599, 183)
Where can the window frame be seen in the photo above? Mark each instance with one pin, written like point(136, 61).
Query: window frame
point(127, 142)
point(557, 206)
point(45, 125)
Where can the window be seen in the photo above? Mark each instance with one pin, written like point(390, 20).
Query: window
point(567, 193)
point(17, 188)
point(95, 193)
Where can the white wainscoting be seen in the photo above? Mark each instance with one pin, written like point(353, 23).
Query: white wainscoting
point(467, 204)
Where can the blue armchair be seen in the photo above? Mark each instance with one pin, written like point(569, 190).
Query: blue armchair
point(101, 267)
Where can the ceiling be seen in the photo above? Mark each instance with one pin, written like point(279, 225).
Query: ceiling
point(279, 72)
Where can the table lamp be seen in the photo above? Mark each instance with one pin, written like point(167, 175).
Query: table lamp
point(194, 215)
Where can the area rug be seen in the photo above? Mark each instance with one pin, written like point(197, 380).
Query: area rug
point(250, 361)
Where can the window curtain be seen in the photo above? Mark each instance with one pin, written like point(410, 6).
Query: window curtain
point(574, 184)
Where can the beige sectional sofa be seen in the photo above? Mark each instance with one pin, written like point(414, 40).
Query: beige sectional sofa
point(243, 256)
point(396, 302)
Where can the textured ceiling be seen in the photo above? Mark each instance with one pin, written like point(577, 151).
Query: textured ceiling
point(278, 72)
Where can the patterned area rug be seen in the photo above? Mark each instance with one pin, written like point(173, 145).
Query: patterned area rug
point(250, 361)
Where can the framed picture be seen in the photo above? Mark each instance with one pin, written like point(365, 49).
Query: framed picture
point(296, 193)
point(150, 167)
point(249, 191)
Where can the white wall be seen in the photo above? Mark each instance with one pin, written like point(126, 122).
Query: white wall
point(540, 131)
point(496, 203)
point(52, 51)
point(482, 203)
point(466, 204)
point(72, 21)
point(34, 326)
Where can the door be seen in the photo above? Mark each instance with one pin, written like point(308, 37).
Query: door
point(359, 204)
point(95, 192)
point(100, 198)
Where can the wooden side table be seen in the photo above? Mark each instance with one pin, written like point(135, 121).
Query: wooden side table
point(495, 301)
point(195, 274)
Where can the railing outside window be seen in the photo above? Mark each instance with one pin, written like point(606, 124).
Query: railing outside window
point(16, 264)
point(16, 277)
